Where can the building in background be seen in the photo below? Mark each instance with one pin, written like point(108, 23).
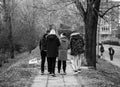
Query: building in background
point(109, 25)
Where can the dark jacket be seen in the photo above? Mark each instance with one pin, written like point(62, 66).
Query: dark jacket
point(111, 51)
point(42, 43)
point(53, 44)
point(102, 49)
point(63, 48)
point(76, 45)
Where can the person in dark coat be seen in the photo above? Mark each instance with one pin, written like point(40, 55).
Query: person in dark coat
point(53, 44)
point(77, 48)
point(62, 58)
point(111, 53)
point(101, 50)
point(43, 50)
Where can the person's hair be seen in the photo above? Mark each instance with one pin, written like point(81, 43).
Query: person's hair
point(44, 35)
point(64, 34)
point(51, 26)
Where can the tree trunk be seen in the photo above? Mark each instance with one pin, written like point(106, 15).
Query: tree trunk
point(90, 30)
point(91, 20)
point(8, 23)
point(10, 38)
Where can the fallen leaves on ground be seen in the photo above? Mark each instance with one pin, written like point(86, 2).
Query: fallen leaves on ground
point(19, 75)
point(106, 75)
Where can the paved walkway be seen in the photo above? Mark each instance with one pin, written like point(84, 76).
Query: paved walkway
point(60, 80)
point(116, 60)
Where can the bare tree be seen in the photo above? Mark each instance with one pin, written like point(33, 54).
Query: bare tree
point(8, 24)
point(90, 15)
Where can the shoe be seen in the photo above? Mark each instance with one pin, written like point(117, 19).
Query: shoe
point(75, 70)
point(59, 72)
point(53, 75)
point(42, 73)
point(75, 73)
point(64, 73)
point(79, 69)
point(50, 73)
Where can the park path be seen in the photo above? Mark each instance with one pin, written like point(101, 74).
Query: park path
point(116, 60)
point(68, 80)
point(60, 80)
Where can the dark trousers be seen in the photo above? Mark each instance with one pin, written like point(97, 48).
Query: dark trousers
point(111, 57)
point(59, 65)
point(43, 58)
point(51, 64)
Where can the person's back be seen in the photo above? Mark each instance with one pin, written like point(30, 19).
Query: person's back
point(52, 46)
point(63, 48)
point(63, 53)
point(101, 49)
point(42, 46)
point(76, 44)
point(111, 53)
point(77, 48)
point(64, 43)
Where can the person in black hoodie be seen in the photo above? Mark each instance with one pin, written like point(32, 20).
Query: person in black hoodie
point(53, 44)
point(102, 51)
point(111, 53)
point(42, 46)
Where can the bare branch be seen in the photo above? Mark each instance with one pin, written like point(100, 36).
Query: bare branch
point(102, 14)
point(49, 10)
point(80, 8)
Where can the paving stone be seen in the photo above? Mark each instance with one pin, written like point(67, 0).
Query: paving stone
point(60, 80)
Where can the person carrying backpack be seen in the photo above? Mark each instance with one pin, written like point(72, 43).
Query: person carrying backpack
point(62, 58)
point(111, 53)
point(102, 50)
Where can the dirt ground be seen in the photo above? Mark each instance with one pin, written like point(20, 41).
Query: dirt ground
point(18, 73)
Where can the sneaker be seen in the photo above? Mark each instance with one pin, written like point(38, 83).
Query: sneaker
point(75, 73)
point(50, 73)
point(42, 73)
point(59, 72)
point(79, 69)
point(64, 73)
point(53, 75)
point(75, 70)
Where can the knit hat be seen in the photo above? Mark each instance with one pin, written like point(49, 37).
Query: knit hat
point(52, 31)
point(76, 33)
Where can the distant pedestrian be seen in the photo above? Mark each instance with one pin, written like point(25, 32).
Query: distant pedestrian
point(77, 48)
point(101, 50)
point(111, 53)
point(62, 58)
point(53, 44)
point(43, 50)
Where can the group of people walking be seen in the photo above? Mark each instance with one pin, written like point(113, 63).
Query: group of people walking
point(49, 45)
point(53, 46)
